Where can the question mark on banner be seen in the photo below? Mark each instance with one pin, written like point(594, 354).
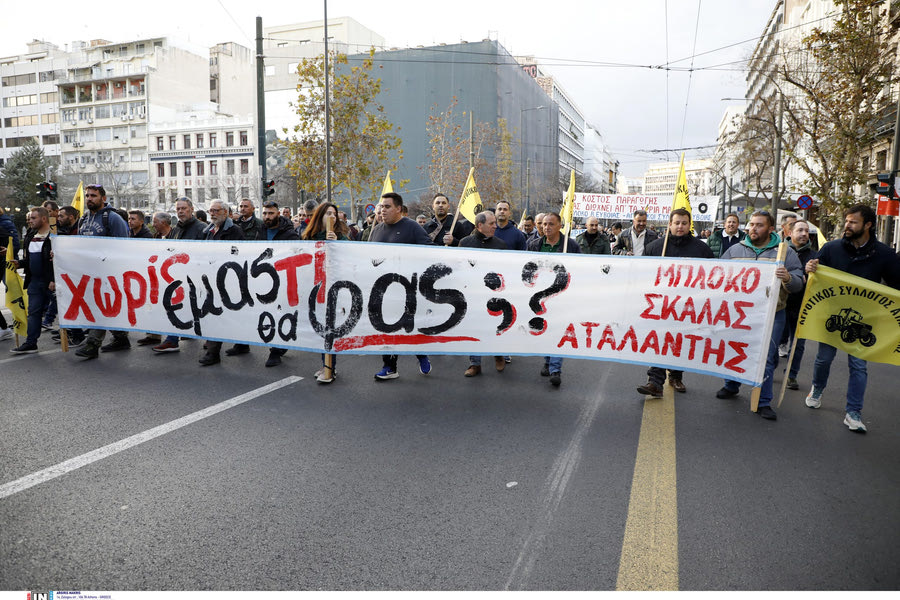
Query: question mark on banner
point(499, 306)
point(537, 302)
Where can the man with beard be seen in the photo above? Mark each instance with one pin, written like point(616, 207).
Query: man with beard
point(681, 244)
point(633, 240)
point(593, 241)
point(800, 242)
point(101, 220)
point(762, 243)
point(438, 228)
point(860, 254)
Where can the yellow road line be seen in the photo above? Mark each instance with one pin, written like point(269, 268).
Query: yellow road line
point(649, 558)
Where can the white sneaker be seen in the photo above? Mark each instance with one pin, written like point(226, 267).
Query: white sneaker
point(853, 420)
point(5, 334)
point(814, 398)
point(784, 350)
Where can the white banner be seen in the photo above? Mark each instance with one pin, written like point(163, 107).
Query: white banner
point(620, 207)
point(706, 316)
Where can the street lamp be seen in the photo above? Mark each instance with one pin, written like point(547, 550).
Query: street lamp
point(525, 174)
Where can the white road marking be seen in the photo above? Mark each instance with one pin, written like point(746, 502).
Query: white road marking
point(22, 356)
point(554, 491)
point(45, 475)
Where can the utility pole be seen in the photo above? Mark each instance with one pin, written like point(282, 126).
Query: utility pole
point(260, 108)
point(527, 185)
point(327, 116)
point(895, 166)
point(471, 141)
point(776, 176)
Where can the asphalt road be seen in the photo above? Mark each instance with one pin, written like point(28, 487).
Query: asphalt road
point(438, 482)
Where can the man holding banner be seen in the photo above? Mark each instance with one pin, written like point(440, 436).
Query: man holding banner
point(438, 228)
point(762, 243)
point(856, 315)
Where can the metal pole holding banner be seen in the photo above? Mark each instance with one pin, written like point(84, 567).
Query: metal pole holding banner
point(754, 396)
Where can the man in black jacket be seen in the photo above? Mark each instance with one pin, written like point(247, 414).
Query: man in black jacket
point(681, 244)
point(483, 237)
point(136, 226)
point(438, 228)
point(860, 254)
point(221, 228)
point(249, 223)
point(38, 266)
point(275, 227)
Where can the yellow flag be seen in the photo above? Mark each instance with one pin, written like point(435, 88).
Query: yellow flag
point(78, 200)
point(387, 187)
point(821, 237)
point(568, 208)
point(682, 197)
point(16, 299)
point(852, 314)
point(522, 220)
point(470, 202)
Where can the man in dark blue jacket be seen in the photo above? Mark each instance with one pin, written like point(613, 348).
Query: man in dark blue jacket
point(38, 266)
point(860, 254)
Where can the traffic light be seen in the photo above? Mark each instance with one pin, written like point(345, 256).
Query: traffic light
point(51, 190)
point(42, 189)
point(885, 185)
point(268, 188)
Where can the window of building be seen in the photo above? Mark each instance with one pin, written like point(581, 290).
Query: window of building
point(187, 142)
point(189, 193)
point(881, 161)
point(229, 167)
point(171, 142)
point(160, 170)
point(199, 140)
point(214, 193)
point(229, 139)
point(51, 118)
point(173, 169)
point(160, 143)
point(245, 192)
point(13, 80)
point(212, 140)
point(139, 177)
point(187, 169)
point(101, 112)
point(201, 195)
point(213, 167)
point(161, 196)
point(231, 195)
point(50, 139)
point(270, 71)
point(245, 166)
point(200, 170)
point(69, 115)
point(48, 97)
point(104, 134)
point(243, 138)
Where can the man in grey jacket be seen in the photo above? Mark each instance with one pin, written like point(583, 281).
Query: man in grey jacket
point(633, 240)
point(762, 243)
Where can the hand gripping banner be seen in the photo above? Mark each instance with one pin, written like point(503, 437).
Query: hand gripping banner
point(707, 316)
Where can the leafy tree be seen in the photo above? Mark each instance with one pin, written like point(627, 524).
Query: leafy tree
point(363, 145)
point(25, 169)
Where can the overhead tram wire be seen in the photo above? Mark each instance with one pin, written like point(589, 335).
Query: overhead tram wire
point(233, 20)
point(666, 17)
point(690, 74)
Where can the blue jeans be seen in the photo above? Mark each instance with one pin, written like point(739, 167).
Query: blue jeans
point(38, 299)
point(856, 385)
point(798, 357)
point(554, 364)
point(765, 393)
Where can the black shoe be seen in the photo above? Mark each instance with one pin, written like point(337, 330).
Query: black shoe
point(25, 348)
point(88, 351)
point(677, 385)
point(651, 389)
point(726, 393)
point(766, 412)
point(274, 359)
point(545, 371)
point(238, 349)
point(555, 379)
point(116, 344)
point(209, 359)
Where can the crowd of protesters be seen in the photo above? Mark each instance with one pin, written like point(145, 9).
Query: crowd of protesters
point(856, 252)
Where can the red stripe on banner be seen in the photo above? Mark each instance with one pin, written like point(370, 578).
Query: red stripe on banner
point(362, 341)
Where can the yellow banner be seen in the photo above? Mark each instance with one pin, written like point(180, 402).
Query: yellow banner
point(852, 314)
point(568, 207)
point(78, 200)
point(682, 197)
point(387, 187)
point(16, 299)
point(470, 202)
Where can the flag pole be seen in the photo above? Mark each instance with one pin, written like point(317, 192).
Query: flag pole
point(754, 396)
point(459, 204)
point(329, 358)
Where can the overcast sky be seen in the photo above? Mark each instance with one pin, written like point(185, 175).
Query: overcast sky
point(599, 49)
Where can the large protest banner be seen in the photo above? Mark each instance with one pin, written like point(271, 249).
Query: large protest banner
point(852, 314)
point(706, 316)
point(619, 207)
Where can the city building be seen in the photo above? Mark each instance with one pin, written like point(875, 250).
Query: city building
point(599, 163)
point(660, 178)
point(29, 107)
point(203, 155)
